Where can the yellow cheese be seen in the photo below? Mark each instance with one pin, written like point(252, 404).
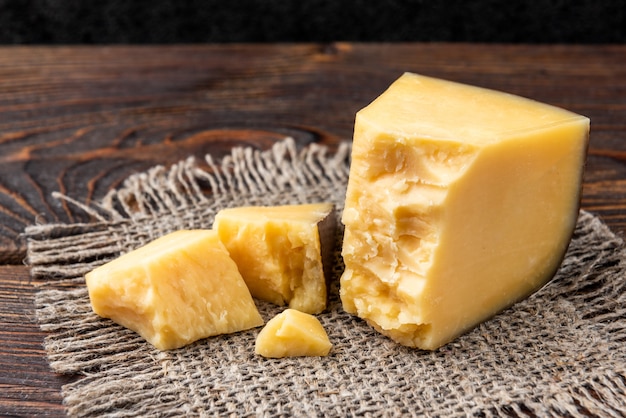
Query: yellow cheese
point(281, 251)
point(292, 333)
point(175, 290)
point(460, 202)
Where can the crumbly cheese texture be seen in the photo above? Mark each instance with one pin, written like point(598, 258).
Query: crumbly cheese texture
point(292, 333)
point(175, 290)
point(461, 201)
point(282, 251)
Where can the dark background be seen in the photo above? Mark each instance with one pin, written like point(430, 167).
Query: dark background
point(197, 21)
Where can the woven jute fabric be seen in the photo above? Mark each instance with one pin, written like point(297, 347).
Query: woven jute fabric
point(561, 352)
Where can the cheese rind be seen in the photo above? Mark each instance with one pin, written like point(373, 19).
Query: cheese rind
point(460, 202)
point(292, 333)
point(175, 290)
point(282, 251)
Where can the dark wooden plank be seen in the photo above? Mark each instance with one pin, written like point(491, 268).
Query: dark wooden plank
point(80, 119)
point(27, 385)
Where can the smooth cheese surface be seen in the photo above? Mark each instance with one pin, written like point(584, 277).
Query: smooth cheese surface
point(460, 202)
point(445, 110)
point(292, 333)
point(175, 290)
point(281, 251)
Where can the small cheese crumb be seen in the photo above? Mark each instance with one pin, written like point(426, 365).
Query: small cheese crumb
point(292, 334)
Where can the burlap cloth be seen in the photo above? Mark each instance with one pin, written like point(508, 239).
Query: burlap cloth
point(559, 353)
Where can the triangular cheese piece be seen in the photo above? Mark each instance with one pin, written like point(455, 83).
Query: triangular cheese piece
point(174, 290)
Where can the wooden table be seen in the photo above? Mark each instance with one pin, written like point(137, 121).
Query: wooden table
point(78, 120)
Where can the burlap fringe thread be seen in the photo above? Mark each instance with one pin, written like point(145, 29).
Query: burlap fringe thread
point(559, 353)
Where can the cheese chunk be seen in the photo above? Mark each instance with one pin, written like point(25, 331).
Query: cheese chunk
point(281, 251)
point(460, 202)
point(175, 290)
point(292, 333)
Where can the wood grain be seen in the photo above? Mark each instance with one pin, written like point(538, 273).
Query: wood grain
point(79, 120)
point(27, 386)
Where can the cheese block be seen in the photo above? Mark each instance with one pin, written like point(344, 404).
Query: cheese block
point(175, 290)
point(292, 333)
point(281, 251)
point(460, 202)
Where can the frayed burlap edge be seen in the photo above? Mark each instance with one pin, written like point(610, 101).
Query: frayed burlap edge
point(187, 196)
point(558, 353)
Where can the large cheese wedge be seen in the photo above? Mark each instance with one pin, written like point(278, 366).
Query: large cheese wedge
point(460, 202)
point(281, 251)
point(175, 290)
point(292, 333)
